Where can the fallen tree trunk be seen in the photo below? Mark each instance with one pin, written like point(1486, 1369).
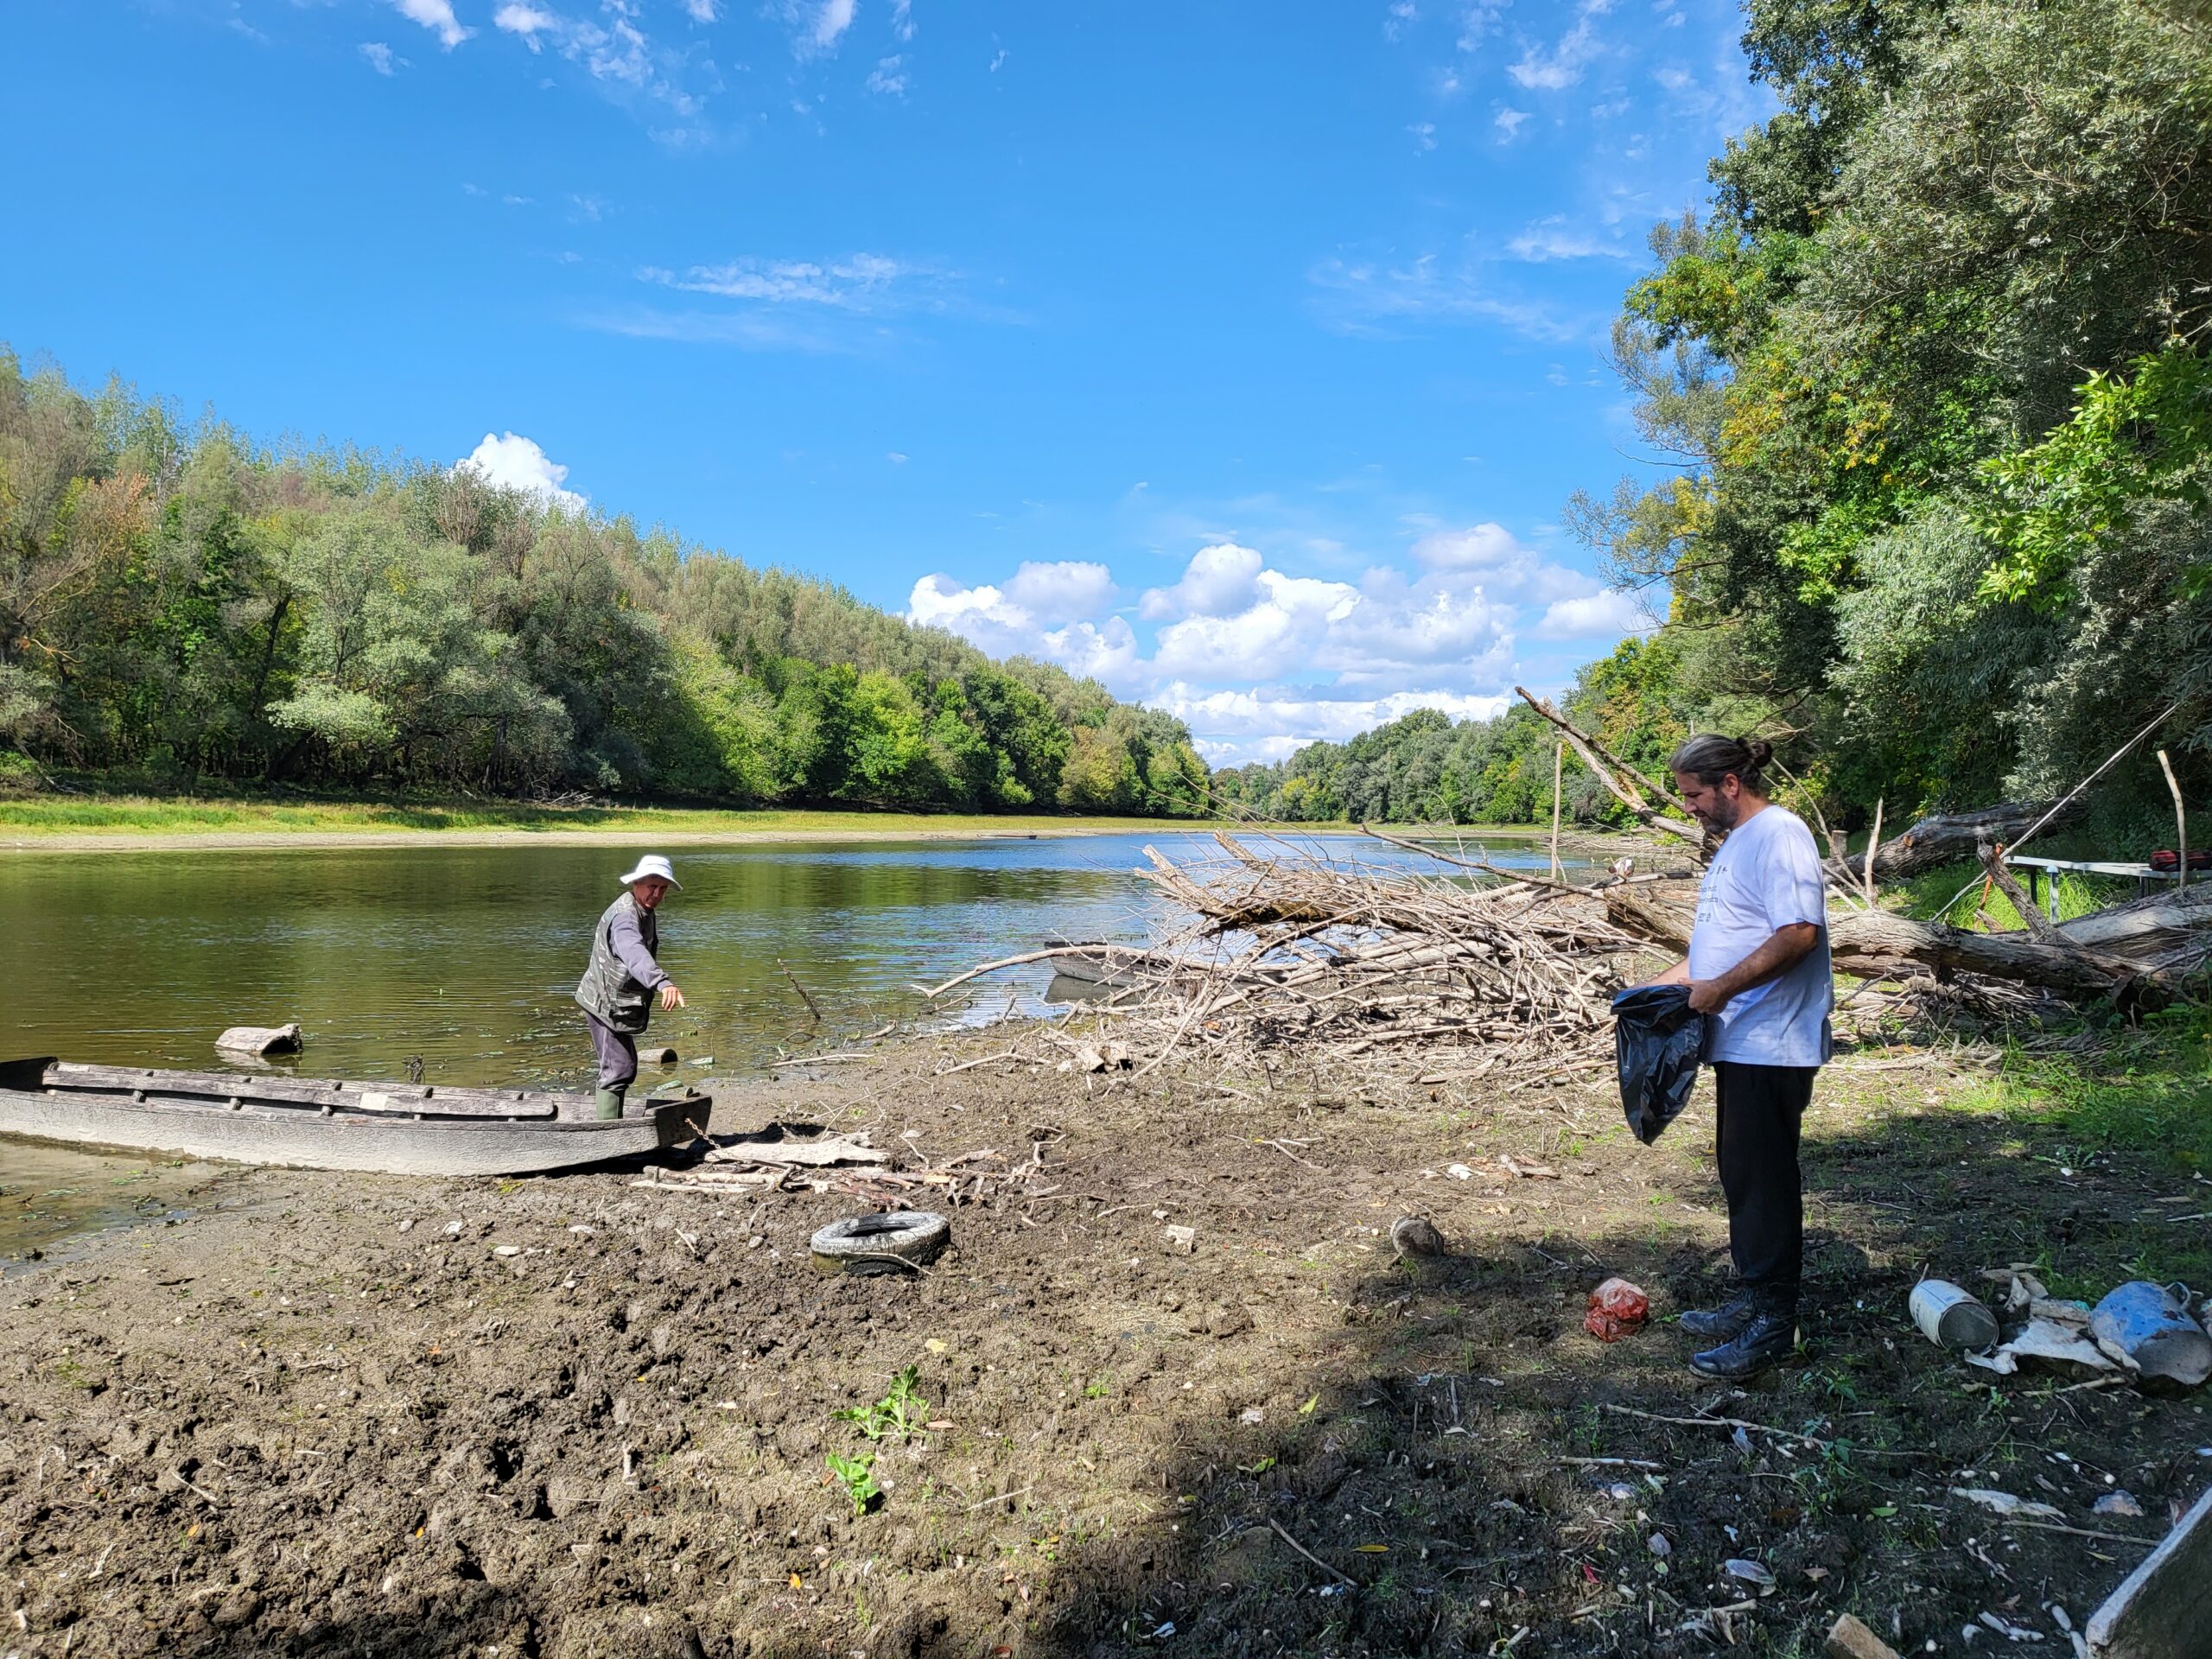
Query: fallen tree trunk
point(1948, 837)
point(1874, 940)
point(2167, 930)
point(1880, 944)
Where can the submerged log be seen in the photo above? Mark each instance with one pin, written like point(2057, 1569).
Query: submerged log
point(262, 1039)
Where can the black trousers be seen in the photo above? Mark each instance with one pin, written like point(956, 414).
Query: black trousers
point(1758, 1111)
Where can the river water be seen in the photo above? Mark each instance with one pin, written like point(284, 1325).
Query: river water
point(466, 955)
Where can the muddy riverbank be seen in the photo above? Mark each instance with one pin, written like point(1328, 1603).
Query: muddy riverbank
point(567, 1416)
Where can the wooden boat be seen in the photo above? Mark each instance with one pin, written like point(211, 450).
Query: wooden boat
point(398, 1128)
point(1112, 967)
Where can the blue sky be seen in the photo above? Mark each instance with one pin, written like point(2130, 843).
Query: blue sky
point(1243, 355)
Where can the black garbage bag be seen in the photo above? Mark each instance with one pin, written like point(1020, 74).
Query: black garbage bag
point(1658, 1039)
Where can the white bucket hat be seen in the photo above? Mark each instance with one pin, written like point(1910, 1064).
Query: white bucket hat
point(652, 864)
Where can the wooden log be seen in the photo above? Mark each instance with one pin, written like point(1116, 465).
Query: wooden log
point(1876, 936)
point(1649, 919)
point(2163, 927)
point(773, 1149)
point(1875, 944)
point(1947, 838)
point(2163, 1609)
point(2031, 915)
point(1624, 783)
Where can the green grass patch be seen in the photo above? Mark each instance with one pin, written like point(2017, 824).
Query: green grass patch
point(2148, 1092)
point(1954, 894)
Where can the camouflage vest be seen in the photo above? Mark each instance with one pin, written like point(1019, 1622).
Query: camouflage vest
point(607, 992)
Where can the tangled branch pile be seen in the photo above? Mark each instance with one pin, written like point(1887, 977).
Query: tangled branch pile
point(1286, 950)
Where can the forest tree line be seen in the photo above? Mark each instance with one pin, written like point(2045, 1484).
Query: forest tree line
point(1930, 380)
point(179, 606)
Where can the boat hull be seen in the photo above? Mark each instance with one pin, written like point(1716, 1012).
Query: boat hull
point(292, 1138)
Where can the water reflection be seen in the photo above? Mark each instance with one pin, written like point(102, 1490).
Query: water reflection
point(466, 955)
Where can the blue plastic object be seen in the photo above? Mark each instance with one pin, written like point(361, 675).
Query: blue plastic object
point(2151, 1326)
point(1658, 1040)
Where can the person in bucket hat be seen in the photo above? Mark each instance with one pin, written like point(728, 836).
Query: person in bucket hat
point(616, 992)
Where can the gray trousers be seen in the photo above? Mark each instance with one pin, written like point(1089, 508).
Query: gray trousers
point(617, 1052)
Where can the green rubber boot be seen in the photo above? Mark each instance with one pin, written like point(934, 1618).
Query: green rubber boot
point(610, 1103)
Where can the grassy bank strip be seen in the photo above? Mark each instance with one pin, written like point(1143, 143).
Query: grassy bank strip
point(58, 816)
point(46, 816)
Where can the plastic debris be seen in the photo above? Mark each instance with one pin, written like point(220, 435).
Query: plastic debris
point(1751, 1573)
point(2120, 1502)
point(1617, 1307)
point(2148, 1328)
point(2005, 1503)
point(1657, 1543)
point(2049, 1345)
point(2018, 1285)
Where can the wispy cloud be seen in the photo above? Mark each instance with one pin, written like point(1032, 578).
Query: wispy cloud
point(1508, 121)
point(902, 19)
point(816, 26)
point(1564, 64)
point(1424, 134)
point(859, 282)
point(1359, 296)
point(888, 78)
point(436, 15)
point(616, 52)
point(1553, 238)
point(702, 11)
point(379, 57)
point(753, 331)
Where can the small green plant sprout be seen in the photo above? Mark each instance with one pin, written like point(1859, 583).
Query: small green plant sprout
point(1098, 1391)
point(856, 1474)
point(901, 1412)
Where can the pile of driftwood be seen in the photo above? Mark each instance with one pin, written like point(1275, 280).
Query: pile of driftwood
point(1288, 951)
point(773, 1161)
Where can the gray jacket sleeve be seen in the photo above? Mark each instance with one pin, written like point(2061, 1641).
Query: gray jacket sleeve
point(630, 950)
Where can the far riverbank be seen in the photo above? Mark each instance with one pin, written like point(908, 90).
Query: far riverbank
point(52, 824)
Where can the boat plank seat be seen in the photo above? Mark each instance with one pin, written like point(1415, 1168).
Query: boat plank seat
point(378, 1099)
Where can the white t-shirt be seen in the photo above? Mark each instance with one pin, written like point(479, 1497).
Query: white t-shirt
point(1767, 876)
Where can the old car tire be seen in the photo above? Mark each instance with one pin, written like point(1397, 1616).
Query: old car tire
point(889, 1243)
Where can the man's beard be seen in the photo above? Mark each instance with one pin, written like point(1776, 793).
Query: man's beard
point(1713, 820)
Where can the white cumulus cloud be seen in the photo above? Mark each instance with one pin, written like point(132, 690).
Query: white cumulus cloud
point(1258, 660)
point(528, 21)
point(436, 15)
point(992, 619)
point(1607, 615)
point(1064, 591)
point(514, 462)
point(1219, 581)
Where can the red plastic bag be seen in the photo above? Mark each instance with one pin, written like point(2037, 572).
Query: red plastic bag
point(1617, 1307)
